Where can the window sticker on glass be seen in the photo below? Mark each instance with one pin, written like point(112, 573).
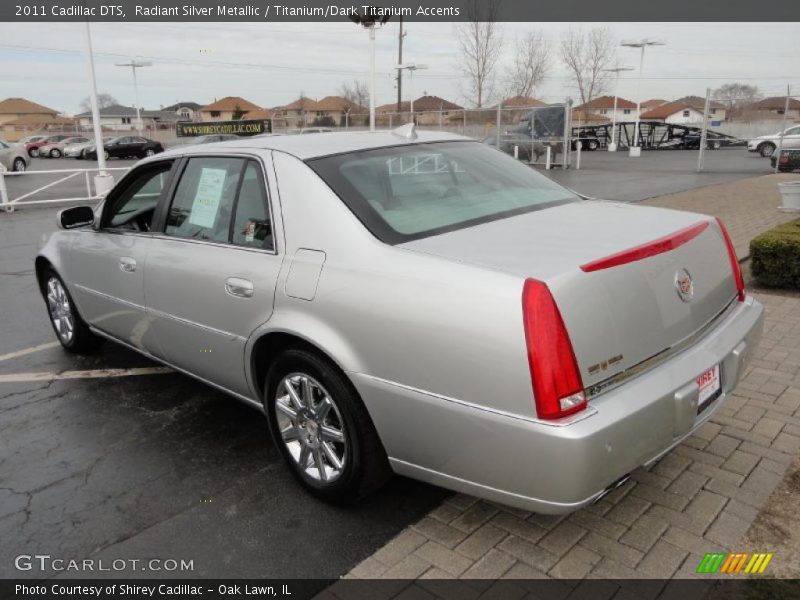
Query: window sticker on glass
point(207, 198)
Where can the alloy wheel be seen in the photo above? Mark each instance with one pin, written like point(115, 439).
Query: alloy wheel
point(60, 310)
point(19, 165)
point(149, 152)
point(311, 427)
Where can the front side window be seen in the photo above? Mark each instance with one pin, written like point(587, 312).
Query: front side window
point(410, 192)
point(132, 204)
point(221, 200)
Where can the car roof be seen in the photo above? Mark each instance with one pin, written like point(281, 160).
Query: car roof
point(315, 145)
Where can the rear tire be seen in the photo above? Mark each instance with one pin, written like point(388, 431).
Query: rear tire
point(33, 152)
point(325, 424)
point(55, 153)
point(19, 165)
point(70, 329)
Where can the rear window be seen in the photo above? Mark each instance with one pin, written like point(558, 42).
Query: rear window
point(404, 193)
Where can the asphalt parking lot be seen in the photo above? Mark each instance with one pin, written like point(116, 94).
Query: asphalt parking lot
point(152, 465)
point(616, 176)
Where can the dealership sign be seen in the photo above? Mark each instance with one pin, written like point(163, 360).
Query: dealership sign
point(243, 128)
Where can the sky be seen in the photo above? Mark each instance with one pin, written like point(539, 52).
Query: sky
point(270, 64)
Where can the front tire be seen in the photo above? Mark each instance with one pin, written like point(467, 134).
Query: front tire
point(322, 429)
point(70, 329)
point(149, 152)
point(19, 165)
point(55, 153)
point(33, 152)
point(766, 150)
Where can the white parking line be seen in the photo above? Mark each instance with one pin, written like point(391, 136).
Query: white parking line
point(17, 353)
point(94, 374)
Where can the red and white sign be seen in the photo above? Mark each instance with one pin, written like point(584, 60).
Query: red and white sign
point(708, 383)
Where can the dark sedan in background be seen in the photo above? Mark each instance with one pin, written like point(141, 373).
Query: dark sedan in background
point(126, 147)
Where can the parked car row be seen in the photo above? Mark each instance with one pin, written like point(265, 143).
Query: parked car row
point(766, 145)
point(13, 157)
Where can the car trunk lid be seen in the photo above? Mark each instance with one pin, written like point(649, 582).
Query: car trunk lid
point(615, 271)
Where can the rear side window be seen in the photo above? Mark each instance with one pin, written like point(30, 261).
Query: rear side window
point(221, 200)
point(403, 193)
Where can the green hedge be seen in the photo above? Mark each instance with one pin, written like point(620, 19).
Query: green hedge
point(775, 256)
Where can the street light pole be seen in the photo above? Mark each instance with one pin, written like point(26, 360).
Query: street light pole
point(635, 150)
point(103, 181)
point(136, 64)
point(612, 145)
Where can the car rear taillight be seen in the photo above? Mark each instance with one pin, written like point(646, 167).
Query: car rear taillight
point(557, 385)
point(737, 271)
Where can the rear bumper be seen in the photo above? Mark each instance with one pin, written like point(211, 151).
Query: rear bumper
point(550, 468)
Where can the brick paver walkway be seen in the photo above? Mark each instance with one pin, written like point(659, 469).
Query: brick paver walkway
point(702, 497)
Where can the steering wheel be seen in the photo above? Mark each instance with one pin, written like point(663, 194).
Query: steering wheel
point(139, 220)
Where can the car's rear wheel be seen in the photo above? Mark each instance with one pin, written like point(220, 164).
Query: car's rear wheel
point(33, 152)
point(322, 428)
point(55, 153)
point(149, 152)
point(19, 165)
point(71, 330)
point(106, 154)
point(766, 149)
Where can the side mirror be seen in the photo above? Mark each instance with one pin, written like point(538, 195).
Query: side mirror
point(77, 216)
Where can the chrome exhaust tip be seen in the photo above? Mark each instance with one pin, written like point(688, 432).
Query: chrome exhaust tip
point(619, 482)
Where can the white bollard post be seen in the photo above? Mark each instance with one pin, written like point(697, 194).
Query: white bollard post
point(547, 159)
point(578, 148)
point(103, 184)
point(516, 152)
point(4, 191)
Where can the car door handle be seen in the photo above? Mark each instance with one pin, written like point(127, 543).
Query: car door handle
point(236, 286)
point(127, 264)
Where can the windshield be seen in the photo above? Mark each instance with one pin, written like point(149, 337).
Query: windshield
point(410, 192)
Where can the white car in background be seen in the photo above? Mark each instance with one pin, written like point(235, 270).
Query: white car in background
point(765, 145)
point(13, 156)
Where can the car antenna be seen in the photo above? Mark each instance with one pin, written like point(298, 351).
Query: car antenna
point(408, 131)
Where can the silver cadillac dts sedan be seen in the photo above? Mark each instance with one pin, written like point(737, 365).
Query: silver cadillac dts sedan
point(416, 303)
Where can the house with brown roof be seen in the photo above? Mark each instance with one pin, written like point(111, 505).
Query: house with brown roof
point(604, 107)
point(428, 110)
point(229, 108)
point(773, 108)
point(685, 111)
point(12, 109)
point(299, 113)
point(653, 103)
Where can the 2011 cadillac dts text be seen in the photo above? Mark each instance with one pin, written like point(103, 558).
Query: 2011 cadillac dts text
point(413, 303)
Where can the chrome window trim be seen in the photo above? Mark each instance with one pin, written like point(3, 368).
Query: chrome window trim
point(613, 382)
point(226, 245)
point(234, 154)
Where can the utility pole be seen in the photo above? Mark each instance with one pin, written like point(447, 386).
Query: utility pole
point(612, 145)
point(136, 64)
point(779, 149)
point(635, 149)
point(400, 37)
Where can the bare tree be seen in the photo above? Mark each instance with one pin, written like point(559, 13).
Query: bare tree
point(530, 64)
point(103, 101)
point(586, 55)
point(357, 92)
point(736, 96)
point(480, 41)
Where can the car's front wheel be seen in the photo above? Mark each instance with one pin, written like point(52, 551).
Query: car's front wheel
point(766, 150)
point(55, 153)
point(18, 165)
point(149, 152)
point(33, 152)
point(71, 330)
point(322, 428)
